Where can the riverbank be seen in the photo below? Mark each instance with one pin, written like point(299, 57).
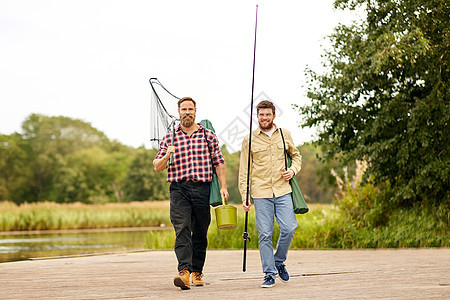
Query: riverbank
point(323, 227)
point(58, 216)
point(17, 246)
point(315, 274)
point(93, 230)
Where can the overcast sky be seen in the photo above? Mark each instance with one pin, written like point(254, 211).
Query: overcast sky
point(91, 60)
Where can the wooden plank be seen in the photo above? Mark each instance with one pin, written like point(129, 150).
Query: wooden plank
point(315, 274)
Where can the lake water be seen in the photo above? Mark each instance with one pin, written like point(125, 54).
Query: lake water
point(33, 245)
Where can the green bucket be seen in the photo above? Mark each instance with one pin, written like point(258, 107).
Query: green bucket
point(226, 217)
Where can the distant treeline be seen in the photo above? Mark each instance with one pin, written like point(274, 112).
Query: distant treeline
point(64, 160)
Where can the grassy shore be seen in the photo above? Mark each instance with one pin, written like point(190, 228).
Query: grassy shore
point(54, 216)
point(323, 227)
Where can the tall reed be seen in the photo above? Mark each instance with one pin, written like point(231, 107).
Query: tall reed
point(323, 227)
point(232, 238)
point(54, 216)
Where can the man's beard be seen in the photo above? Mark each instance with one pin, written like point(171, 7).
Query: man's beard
point(187, 120)
point(267, 127)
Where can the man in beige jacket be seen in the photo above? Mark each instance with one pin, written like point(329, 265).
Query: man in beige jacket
point(270, 189)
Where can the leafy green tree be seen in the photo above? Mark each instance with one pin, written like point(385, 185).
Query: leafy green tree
point(90, 176)
point(142, 182)
point(115, 170)
point(384, 96)
point(49, 140)
point(315, 179)
point(14, 170)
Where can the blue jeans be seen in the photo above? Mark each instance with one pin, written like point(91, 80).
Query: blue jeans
point(190, 215)
point(283, 210)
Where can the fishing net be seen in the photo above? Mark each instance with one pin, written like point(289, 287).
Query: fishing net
point(163, 108)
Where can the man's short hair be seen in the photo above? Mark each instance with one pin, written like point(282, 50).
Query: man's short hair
point(265, 104)
point(186, 99)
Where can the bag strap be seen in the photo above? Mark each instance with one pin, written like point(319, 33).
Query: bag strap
point(209, 150)
point(284, 147)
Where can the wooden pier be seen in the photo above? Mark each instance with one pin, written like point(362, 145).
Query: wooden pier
point(315, 274)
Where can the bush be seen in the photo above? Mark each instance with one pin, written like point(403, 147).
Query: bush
point(374, 224)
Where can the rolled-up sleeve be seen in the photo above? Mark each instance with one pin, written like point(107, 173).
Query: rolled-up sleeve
point(162, 148)
point(217, 156)
point(296, 165)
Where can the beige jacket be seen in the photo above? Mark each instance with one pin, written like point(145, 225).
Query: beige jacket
point(266, 164)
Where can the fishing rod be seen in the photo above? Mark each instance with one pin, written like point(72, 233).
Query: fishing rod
point(245, 234)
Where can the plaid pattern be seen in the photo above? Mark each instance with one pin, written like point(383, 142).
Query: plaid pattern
point(192, 159)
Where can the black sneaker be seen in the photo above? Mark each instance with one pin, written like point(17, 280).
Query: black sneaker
point(283, 273)
point(269, 282)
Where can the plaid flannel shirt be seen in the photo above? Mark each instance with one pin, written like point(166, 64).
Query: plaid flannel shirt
point(192, 157)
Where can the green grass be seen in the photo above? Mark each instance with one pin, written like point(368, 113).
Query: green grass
point(323, 227)
point(54, 216)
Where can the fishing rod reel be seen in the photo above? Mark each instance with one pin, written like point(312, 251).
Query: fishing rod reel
point(245, 236)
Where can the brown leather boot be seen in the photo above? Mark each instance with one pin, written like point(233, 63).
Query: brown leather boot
point(197, 279)
point(182, 280)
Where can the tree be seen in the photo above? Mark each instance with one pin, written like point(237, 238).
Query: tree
point(315, 179)
point(90, 176)
point(14, 170)
point(49, 140)
point(384, 96)
point(62, 159)
point(142, 182)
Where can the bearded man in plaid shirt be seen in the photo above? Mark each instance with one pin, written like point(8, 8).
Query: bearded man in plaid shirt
point(195, 152)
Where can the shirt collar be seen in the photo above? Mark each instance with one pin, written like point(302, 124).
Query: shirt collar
point(178, 128)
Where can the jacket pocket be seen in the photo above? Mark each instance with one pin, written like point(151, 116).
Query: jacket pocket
point(260, 155)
